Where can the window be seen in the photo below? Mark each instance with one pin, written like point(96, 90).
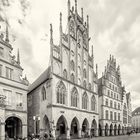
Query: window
point(115, 105)
point(118, 106)
point(74, 98)
point(84, 84)
point(85, 101)
point(84, 73)
point(19, 98)
point(114, 95)
point(43, 93)
point(1, 51)
point(106, 114)
point(9, 73)
point(117, 96)
point(72, 65)
point(111, 115)
point(8, 95)
point(65, 73)
point(106, 102)
point(72, 78)
point(108, 92)
point(61, 93)
point(93, 103)
point(0, 70)
point(115, 117)
point(89, 86)
point(111, 103)
point(118, 116)
point(111, 94)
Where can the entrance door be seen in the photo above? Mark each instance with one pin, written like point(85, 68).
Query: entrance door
point(13, 127)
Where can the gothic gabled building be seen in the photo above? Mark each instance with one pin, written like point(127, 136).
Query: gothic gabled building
point(13, 92)
point(64, 99)
point(114, 102)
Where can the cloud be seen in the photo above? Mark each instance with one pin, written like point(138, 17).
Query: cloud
point(114, 29)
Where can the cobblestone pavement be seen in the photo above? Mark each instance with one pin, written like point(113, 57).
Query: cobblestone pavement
point(124, 137)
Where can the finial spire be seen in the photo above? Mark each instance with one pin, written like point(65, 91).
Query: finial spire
point(60, 22)
point(92, 51)
point(82, 13)
point(87, 21)
point(68, 9)
point(18, 57)
point(7, 33)
point(75, 6)
point(51, 34)
point(96, 70)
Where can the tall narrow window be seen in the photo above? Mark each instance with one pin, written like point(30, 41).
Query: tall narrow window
point(111, 115)
point(72, 78)
point(72, 65)
point(84, 73)
point(85, 101)
point(19, 99)
point(84, 84)
point(8, 95)
point(74, 98)
point(106, 113)
point(9, 73)
point(93, 103)
point(43, 93)
point(65, 73)
point(61, 93)
point(0, 70)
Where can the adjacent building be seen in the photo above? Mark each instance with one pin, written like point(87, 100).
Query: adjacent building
point(136, 119)
point(114, 103)
point(64, 99)
point(13, 92)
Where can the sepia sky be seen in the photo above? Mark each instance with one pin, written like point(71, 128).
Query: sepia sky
point(114, 29)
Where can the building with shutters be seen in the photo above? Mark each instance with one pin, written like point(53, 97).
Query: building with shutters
point(13, 92)
point(64, 99)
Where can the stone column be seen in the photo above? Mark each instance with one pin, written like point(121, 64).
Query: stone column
point(79, 132)
point(53, 133)
point(89, 131)
point(103, 132)
point(96, 132)
point(24, 130)
point(112, 132)
point(68, 133)
point(2, 130)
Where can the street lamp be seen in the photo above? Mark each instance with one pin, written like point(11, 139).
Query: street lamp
point(36, 120)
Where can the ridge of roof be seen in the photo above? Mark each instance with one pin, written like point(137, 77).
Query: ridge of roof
point(42, 78)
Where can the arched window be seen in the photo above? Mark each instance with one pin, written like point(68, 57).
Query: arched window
point(61, 93)
point(43, 93)
point(72, 78)
point(84, 84)
point(85, 101)
point(84, 73)
point(74, 98)
point(65, 73)
point(89, 86)
point(93, 103)
point(111, 115)
point(118, 106)
point(72, 65)
point(115, 105)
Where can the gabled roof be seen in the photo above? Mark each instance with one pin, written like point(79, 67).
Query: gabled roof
point(136, 111)
point(41, 79)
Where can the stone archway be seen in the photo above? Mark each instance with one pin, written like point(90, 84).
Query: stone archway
point(93, 128)
point(115, 130)
point(106, 129)
point(119, 129)
point(85, 128)
point(61, 128)
point(13, 127)
point(74, 128)
point(46, 124)
point(100, 130)
point(111, 130)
